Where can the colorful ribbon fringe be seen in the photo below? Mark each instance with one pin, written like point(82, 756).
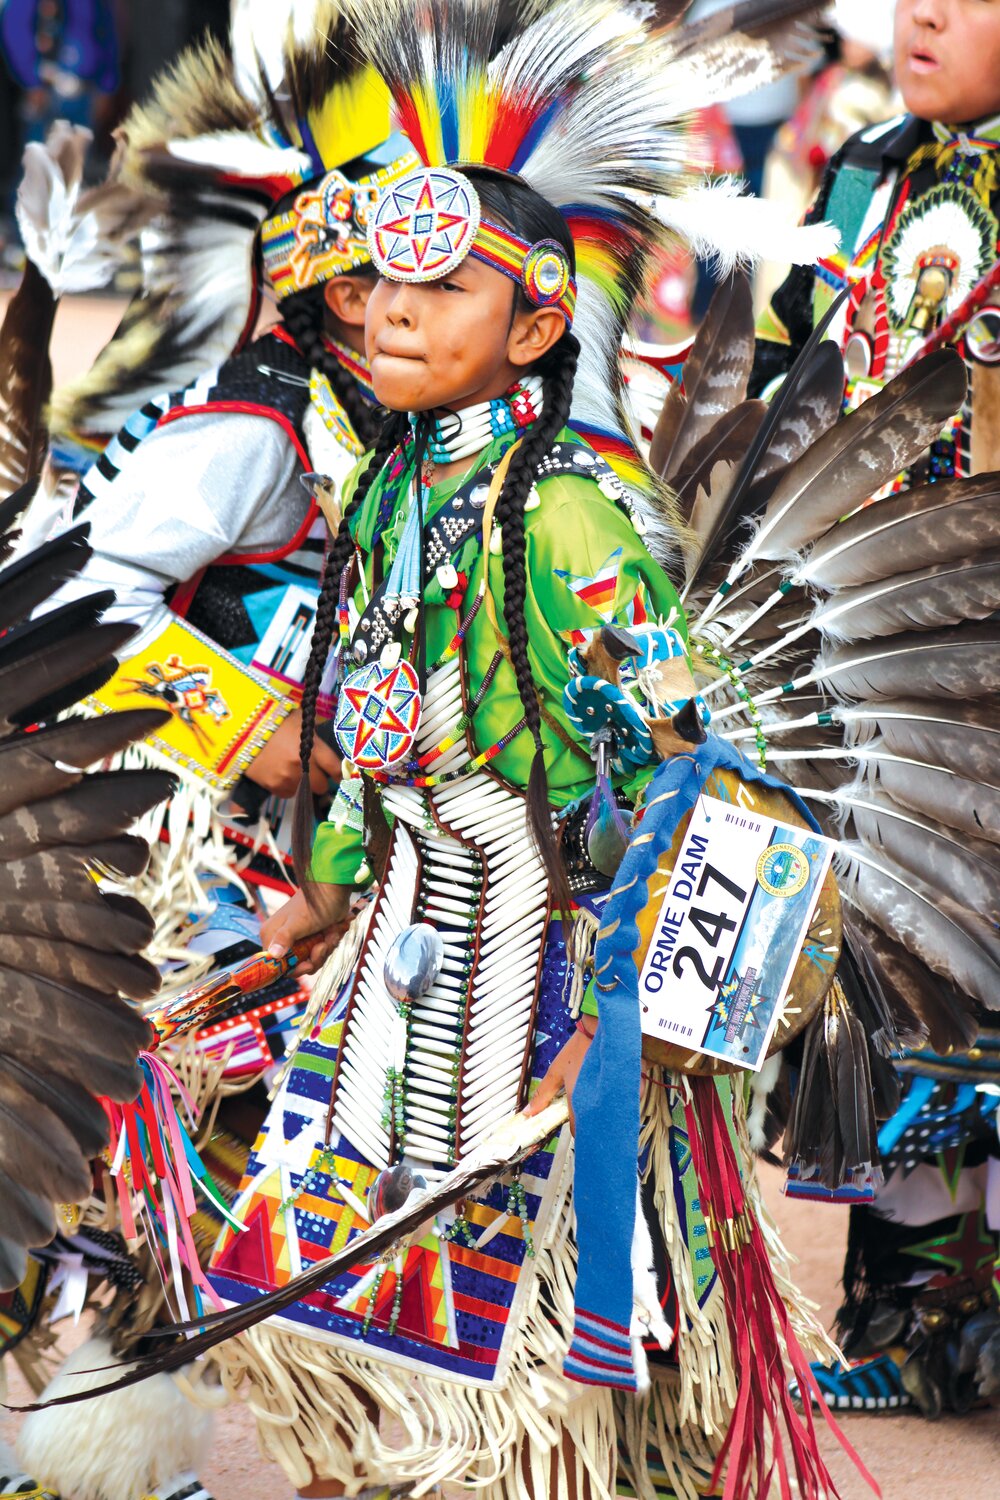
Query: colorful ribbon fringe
point(156, 1168)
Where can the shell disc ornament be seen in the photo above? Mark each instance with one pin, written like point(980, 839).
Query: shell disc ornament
point(377, 715)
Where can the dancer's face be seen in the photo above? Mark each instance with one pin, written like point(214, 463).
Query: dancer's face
point(455, 341)
point(947, 58)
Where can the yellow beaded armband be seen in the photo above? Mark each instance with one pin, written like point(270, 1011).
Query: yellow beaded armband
point(222, 712)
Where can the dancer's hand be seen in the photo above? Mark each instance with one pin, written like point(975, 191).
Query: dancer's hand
point(563, 1072)
point(327, 918)
point(277, 767)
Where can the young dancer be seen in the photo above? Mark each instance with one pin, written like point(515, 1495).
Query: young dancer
point(482, 547)
point(200, 525)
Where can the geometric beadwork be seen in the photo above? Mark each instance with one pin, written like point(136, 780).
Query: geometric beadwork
point(377, 715)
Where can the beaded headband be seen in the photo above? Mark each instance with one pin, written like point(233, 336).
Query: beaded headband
point(322, 231)
point(426, 224)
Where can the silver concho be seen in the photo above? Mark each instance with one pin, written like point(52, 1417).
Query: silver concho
point(413, 962)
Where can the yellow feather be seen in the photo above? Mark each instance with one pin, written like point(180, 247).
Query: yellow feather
point(352, 120)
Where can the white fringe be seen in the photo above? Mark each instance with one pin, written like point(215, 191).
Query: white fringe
point(318, 1407)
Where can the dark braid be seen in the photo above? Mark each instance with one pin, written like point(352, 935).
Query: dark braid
point(557, 370)
point(303, 315)
point(393, 430)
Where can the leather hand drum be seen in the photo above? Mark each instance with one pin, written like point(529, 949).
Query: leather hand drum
point(817, 961)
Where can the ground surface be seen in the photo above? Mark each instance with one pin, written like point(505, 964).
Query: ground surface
point(912, 1459)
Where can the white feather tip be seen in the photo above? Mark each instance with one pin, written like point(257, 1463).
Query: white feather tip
point(725, 227)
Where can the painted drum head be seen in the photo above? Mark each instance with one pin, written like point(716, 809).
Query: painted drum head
point(424, 226)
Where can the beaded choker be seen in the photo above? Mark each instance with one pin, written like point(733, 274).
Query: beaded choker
point(461, 434)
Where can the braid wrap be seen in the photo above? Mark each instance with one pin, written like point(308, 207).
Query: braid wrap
point(303, 315)
point(338, 558)
point(557, 369)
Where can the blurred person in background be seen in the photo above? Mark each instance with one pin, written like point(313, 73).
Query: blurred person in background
point(852, 90)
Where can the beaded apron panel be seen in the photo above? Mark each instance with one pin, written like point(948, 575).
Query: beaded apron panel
point(461, 858)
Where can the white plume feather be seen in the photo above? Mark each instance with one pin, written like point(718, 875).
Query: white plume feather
point(723, 225)
point(241, 155)
point(75, 236)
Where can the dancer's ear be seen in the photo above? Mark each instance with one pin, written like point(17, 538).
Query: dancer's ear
point(533, 332)
point(347, 297)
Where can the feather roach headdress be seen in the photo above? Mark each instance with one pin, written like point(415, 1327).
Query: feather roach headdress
point(263, 165)
point(580, 100)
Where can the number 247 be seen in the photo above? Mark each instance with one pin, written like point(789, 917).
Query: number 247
point(711, 925)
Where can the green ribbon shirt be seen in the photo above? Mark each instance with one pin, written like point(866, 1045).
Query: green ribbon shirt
point(586, 567)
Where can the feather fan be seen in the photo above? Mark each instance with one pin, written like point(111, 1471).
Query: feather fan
point(68, 952)
point(951, 940)
point(716, 373)
point(941, 522)
point(859, 454)
point(962, 662)
point(926, 1009)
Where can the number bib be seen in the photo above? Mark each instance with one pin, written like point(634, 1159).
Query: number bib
point(736, 953)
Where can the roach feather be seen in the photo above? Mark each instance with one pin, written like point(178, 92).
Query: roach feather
point(754, 17)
